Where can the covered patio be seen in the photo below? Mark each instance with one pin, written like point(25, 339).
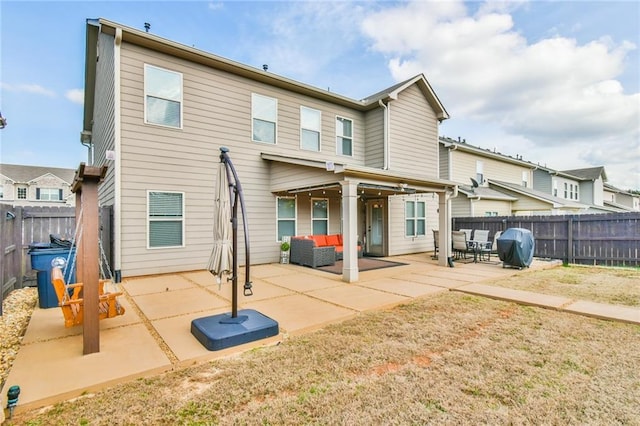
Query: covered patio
point(353, 186)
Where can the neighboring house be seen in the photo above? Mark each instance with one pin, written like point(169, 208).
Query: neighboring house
point(36, 186)
point(310, 161)
point(623, 200)
point(494, 184)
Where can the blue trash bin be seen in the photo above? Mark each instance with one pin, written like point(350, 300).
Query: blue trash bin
point(41, 256)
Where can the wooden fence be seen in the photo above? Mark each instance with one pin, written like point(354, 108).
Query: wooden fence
point(590, 239)
point(23, 226)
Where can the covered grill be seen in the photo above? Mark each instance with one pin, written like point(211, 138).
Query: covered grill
point(515, 247)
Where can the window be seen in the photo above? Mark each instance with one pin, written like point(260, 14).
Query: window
point(576, 192)
point(264, 113)
point(525, 179)
point(320, 216)
point(571, 191)
point(163, 97)
point(344, 136)
point(490, 214)
point(22, 193)
point(415, 218)
point(48, 194)
point(555, 188)
point(166, 219)
point(565, 190)
point(310, 129)
point(286, 212)
point(479, 172)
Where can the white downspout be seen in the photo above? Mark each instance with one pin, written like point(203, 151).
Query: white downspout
point(385, 136)
point(117, 202)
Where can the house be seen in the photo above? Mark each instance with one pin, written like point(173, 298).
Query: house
point(619, 199)
point(495, 184)
point(22, 185)
point(310, 161)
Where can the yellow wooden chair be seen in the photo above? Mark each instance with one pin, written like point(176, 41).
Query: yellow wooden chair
point(71, 302)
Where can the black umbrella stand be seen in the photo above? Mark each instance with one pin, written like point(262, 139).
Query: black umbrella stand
point(222, 331)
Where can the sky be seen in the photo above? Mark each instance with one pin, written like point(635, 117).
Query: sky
point(556, 82)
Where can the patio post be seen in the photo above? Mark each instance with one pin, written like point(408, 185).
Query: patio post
point(444, 224)
point(350, 231)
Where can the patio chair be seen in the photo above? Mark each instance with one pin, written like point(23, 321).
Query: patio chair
point(491, 247)
point(72, 304)
point(460, 244)
point(480, 242)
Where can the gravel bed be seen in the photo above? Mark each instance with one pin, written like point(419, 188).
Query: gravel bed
point(16, 313)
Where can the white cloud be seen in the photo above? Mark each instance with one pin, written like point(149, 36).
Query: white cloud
point(551, 92)
point(28, 88)
point(75, 96)
point(216, 5)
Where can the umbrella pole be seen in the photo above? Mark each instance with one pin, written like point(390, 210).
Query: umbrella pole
point(237, 196)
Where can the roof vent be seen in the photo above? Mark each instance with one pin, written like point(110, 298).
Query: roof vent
point(265, 67)
point(147, 26)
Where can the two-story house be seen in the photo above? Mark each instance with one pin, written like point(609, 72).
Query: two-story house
point(310, 161)
point(22, 185)
point(495, 184)
point(619, 199)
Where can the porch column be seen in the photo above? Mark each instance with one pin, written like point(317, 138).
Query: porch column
point(350, 231)
point(444, 217)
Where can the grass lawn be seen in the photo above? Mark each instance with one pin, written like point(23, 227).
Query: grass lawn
point(449, 359)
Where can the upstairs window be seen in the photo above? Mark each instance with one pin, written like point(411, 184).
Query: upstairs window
point(415, 214)
point(320, 216)
point(163, 97)
point(525, 179)
point(22, 193)
point(310, 120)
point(165, 219)
point(566, 192)
point(344, 136)
point(286, 212)
point(48, 194)
point(264, 113)
point(480, 172)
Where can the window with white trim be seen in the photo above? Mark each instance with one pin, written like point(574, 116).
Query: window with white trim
point(264, 118)
point(286, 217)
point(479, 172)
point(576, 193)
point(525, 179)
point(415, 213)
point(320, 216)
point(344, 136)
point(48, 194)
point(565, 190)
point(310, 122)
point(165, 219)
point(163, 97)
point(22, 193)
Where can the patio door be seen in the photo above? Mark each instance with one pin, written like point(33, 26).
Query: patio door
point(375, 227)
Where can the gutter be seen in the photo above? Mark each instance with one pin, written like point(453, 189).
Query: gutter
point(385, 136)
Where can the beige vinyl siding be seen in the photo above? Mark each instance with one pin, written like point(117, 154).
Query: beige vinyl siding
point(103, 128)
point(480, 207)
point(443, 163)
point(413, 130)
point(287, 176)
point(398, 243)
point(304, 215)
point(460, 206)
point(464, 168)
point(216, 112)
point(374, 144)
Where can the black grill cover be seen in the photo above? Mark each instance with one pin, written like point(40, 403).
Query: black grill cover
point(515, 247)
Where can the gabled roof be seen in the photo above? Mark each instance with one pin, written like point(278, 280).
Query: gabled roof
point(590, 173)
point(618, 207)
point(393, 91)
point(25, 174)
point(556, 202)
point(154, 42)
point(484, 193)
point(464, 146)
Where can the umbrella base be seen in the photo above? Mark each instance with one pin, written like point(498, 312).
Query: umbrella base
point(221, 331)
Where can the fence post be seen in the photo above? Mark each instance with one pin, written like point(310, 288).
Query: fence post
point(570, 254)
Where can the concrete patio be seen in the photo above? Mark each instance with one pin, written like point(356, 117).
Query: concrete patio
point(154, 334)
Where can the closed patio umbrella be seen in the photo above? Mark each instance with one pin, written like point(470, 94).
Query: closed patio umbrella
point(221, 259)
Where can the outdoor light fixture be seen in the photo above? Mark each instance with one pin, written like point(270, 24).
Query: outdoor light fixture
point(3, 121)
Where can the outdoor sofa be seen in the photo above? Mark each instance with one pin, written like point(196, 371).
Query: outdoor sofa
point(318, 250)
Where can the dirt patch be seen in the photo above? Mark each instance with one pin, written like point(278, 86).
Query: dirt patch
point(449, 358)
